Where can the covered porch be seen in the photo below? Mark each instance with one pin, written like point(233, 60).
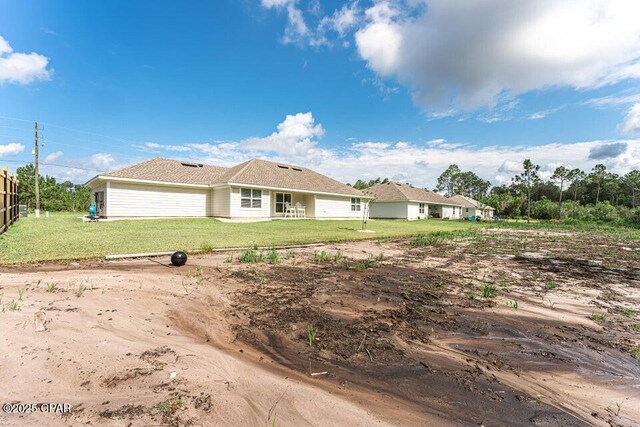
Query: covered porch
point(292, 205)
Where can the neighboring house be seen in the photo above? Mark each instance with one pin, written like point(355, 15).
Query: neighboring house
point(253, 189)
point(395, 200)
point(471, 207)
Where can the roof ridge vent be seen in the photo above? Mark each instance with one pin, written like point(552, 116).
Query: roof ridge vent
point(283, 167)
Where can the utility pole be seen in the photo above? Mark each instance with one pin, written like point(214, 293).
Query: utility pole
point(37, 189)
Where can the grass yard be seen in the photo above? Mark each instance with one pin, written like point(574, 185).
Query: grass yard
point(63, 236)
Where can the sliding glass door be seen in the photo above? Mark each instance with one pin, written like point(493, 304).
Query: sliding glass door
point(281, 199)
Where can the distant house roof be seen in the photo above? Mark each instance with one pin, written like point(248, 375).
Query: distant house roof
point(264, 173)
point(468, 202)
point(396, 192)
point(170, 171)
point(260, 173)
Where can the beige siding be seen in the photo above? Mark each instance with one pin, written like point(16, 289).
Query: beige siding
point(447, 212)
point(467, 212)
point(414, 210)
point(221, 202)
point(336, 207)
point(137, 200)
point(389, 210)
point(237, 211)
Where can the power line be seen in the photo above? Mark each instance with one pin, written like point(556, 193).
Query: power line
point(75, 130)
point(52, 164)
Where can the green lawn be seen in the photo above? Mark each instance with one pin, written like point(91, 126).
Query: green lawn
point(63, 236)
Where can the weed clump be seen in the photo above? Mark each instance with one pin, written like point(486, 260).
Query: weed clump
point(488, 289)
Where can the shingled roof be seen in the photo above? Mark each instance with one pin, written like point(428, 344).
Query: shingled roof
point(396, 192)
point(170, 171)
point(468, 202)
point(261, 173)
point(264, 173)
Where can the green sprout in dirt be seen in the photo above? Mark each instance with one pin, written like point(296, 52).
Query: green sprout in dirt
point(167, 407)
point(488, 289)
point(20, 294)
point(80, 290)
point(551, 285)
point(206, 248)
point(629, 313)
point(421, 240)
point(164, 407)
point(52, 287)
point(513, 304)
point(597, 316)
point(248, 256)
point(363, 264)
point(635, 327)
point(311, 335)
point(324, 256)
point(13, 306)
point(273, 257)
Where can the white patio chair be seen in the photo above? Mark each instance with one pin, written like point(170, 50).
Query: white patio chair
point(300, 210)
point(289, 210)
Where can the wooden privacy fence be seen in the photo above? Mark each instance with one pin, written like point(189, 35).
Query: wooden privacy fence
point(8, 199)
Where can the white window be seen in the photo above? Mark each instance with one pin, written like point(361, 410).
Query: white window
point(421, 208)
point(250, 199)
point(281, 200)
point(355, 204)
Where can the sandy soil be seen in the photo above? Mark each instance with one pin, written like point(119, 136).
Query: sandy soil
point(404, 336)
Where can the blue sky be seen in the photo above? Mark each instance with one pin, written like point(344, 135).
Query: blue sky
point(351, 89)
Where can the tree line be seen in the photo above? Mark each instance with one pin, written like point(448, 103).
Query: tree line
point(597, 195)
point(54, 196)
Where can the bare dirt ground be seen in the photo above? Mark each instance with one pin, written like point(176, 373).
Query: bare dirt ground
point(495, 328)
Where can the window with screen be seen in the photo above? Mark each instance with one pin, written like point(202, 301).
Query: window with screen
point(250, 199)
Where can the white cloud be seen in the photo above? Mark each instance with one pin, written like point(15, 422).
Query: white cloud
point(538, 115)
point(11, 149)
point(296, 29)
point(102, 161)
point(469, 54)
point(631, 123)
point(175, 148)
point(297, 134)
point(614, 100)
point(297, 141)
point(342, 20)
point(509, 166)
point(22, 68)
point(312, 30)
point(53, 156)
point(436, 142)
